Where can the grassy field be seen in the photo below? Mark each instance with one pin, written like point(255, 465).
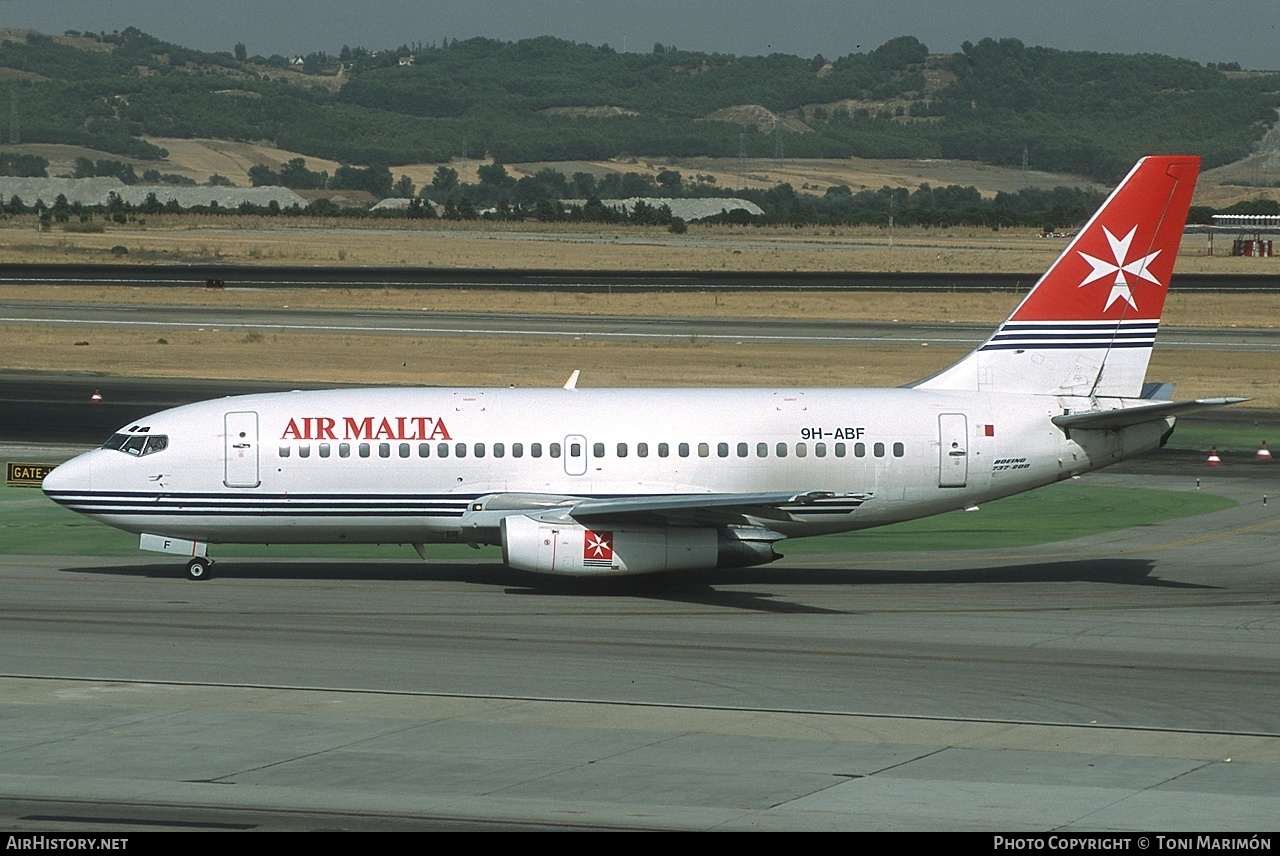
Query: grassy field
point(33, 525)
point(1227, 438)
point(180, 239)
point(500, 362)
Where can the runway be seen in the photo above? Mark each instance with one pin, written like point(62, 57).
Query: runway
point(212, 272)
point(1128, 681)
point(605, 328)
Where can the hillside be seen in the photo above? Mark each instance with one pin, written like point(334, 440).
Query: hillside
point(547, 100)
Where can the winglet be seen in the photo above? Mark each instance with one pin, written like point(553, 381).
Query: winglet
point(572, 382)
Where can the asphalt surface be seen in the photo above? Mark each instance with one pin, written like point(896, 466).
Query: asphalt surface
point(613, 327)
point(1127, 681)
point(217, 274)
point(1124, 682)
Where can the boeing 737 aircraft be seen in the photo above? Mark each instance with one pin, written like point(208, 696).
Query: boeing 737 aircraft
point(611, 482)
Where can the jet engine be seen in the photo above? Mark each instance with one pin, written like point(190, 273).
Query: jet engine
point(565, 547)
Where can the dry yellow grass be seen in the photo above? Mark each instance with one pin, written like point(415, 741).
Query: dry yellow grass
point(499, 362)
point(202, 240)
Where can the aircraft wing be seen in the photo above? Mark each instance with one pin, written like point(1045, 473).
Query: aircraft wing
point(1106, 420)
point(713, 507)
point(486, 513)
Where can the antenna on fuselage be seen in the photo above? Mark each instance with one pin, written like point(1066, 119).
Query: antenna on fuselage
point(572, 382)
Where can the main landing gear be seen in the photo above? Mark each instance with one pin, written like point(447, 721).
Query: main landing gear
point(199, 568)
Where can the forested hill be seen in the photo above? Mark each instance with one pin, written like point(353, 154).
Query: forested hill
point(546, 99)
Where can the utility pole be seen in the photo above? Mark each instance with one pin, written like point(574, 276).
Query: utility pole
point(14, 137)
point(742, 161)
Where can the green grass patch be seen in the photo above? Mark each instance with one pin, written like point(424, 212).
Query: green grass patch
point(1055, 513)
point(1232, 438)
point(32, 524)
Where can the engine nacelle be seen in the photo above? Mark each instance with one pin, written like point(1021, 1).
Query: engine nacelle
point(570, 548)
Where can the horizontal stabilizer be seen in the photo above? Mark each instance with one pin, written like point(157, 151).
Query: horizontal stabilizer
point(1106, 420)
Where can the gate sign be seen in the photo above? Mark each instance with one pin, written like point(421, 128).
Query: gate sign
point(18, 474)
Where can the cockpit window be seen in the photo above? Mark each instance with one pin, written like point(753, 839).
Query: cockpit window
point(137, 445)
point(116, 441)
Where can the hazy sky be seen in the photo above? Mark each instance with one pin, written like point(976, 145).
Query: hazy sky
point(1243, 31)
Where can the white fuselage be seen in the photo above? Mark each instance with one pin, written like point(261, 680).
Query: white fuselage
point(404, 465)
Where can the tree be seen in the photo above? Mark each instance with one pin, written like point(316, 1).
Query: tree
point(445, 179)
point(403, 188)
point(242, 53)
point(261, 175)
point(495, 175)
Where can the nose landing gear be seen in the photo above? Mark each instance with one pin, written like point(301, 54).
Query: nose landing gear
point(199, 568)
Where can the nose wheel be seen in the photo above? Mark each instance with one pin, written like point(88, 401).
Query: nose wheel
point(199, 568)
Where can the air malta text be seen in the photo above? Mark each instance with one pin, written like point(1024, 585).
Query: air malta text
point(366, 428)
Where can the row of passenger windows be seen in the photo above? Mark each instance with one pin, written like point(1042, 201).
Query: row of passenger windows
point(598, 450)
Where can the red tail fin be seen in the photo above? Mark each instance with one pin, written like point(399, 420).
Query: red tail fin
point(1118, 267)
point(1088, 325)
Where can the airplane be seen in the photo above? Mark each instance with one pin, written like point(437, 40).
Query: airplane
point(647, 481)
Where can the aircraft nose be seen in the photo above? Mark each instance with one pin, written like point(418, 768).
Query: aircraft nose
point(69, 477)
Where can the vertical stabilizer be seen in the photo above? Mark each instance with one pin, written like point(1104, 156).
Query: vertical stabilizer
point(1088, 325)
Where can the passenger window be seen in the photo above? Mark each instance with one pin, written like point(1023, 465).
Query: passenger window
point(324, 450)
point(344, 450)
point(304, 451)
point(479, 450)
point(801, 450)
point(384, 450)
point(879, 450)
point(622, 450)
point(663, 450)
point(762, 450)
point(819, 450)
point(597, 450)
point(424, 450)
point(517, 450)
point(535, 450)
point(284, 451)
point(404, 450)
point(722, 450)
point(859, 450)
point(780, 450)
point(442, 450)
point(703, 450)
point(839, 450)
point(553, 450)
point(642, 450)
point(899, 450)
point(684, 450)
point(460, 450)
point(575, 450)
point(499, 450)
point(742, 450)
point(364, 450)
